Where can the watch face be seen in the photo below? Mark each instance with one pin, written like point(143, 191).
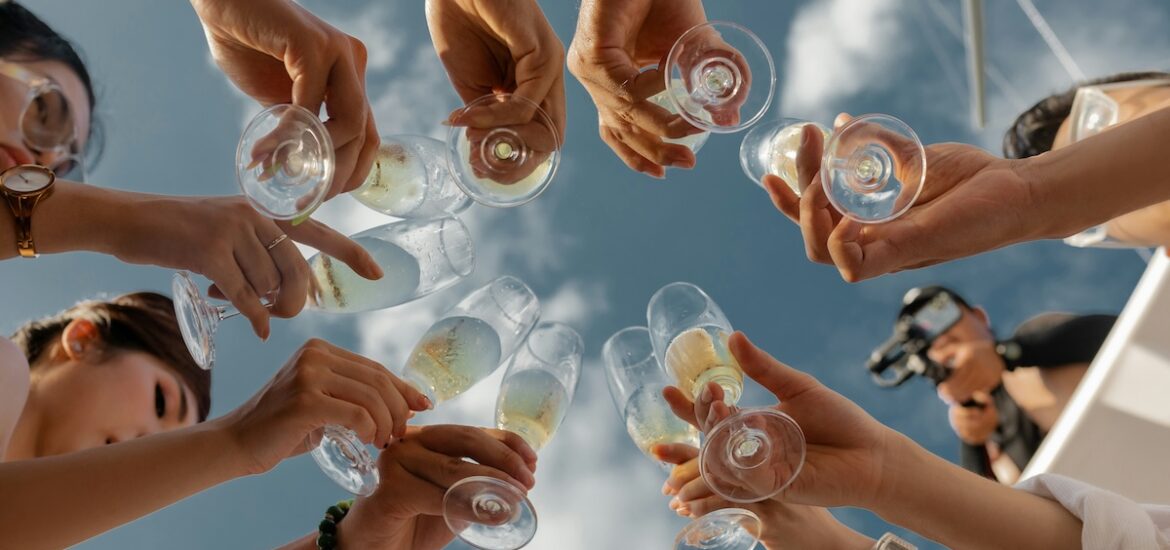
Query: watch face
point(27, 179)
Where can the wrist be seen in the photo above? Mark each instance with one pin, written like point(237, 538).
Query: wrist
point(366, 527)
point(230, 438)
point(901, 460)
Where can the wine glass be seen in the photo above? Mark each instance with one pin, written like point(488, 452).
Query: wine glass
point(285, 162)
point(636, 382)
point(508, 161)
point(417, 257)
point(751, 455)
point(872, 170)
point(411, 179)
point(535, 395)
point(467, 344)
point(726, 73)
point(694, 142)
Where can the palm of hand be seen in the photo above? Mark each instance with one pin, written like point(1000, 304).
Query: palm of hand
point(842, 443)
point(965, 189)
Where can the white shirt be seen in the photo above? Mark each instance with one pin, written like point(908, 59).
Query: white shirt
point(1110, 520)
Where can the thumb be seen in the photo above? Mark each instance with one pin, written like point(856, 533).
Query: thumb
point(783, 381)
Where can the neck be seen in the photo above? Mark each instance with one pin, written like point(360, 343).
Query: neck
point(23, 443)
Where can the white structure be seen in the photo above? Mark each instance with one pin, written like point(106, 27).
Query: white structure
point(1115, 432)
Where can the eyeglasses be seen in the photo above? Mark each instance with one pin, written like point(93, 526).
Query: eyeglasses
point(47, 123)
point(1093, 110)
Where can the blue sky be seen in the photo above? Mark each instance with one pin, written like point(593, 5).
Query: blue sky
point(602, 239)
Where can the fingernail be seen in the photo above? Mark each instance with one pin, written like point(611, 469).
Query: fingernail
point(675, 503)
point(426, 403)
point(684, 511)
point(666, 488)
point(705, 396)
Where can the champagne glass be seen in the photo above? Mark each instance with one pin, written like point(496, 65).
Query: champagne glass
point(694, 142)
point(751, 455)
point(417, 257)
point(467, 344)
point(534, 397)
point(872, 171)
point(411, 179)
point(285, 162)
point(726, 74)
point(509, 161)
point(636, 382)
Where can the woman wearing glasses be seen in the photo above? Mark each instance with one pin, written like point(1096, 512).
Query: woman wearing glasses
point(47, 135)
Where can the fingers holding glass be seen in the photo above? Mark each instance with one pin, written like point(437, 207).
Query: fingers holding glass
point(727, 74)
point(499, 158)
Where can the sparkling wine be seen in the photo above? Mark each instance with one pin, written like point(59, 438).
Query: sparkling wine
point(452, 356)
point(662, 99)
point(337, 288)
point(532, 404)
point(650, 421)
point(410, 178)
point(699, 355)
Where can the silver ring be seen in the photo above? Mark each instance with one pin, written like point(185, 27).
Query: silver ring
point(276, 241)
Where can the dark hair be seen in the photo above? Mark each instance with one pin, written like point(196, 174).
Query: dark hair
point(1035, 129)
point(141, 321)
point(24, 36)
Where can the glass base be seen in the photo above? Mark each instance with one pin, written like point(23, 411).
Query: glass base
point(489, 514)
point(197, 319)
point(507, 164)
point(728, 75)
point(726, 529)
point(873, 168)
point(344, 458)
point(285, 162)
point(752, 455)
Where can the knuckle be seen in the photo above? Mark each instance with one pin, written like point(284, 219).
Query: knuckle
point(452, 466)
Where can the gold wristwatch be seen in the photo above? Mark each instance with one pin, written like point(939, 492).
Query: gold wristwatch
point(23, 187)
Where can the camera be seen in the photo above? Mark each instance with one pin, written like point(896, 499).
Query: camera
point(926, 315)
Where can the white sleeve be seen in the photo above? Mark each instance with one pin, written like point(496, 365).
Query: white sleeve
point(1110, 520)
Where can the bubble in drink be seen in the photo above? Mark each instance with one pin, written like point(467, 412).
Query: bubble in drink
point(650, 421)
point(452, 356)
point(700, 355)
point(397, 183)
point(532, 404)
point(337, 288)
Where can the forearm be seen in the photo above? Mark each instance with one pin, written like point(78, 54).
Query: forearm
point(1149, 226)
point(77, 217)
point(59, 501)
point(1101, 178)
point(952, 506)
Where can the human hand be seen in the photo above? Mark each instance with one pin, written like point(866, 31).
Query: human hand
point(226, 240)
point(846, 448)
point(973, 366)
point(613, 40)
point(500, 46)
point(278, 52)
point(974, 425)
point(405, 512)
point(321, 384)
point(784, 525)
point(965, 188)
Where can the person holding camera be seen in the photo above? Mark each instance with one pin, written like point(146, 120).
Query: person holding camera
point(1004, 395)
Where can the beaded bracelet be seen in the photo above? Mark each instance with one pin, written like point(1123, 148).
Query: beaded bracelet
point(327, 529)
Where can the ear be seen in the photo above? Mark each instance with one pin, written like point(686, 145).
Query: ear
point(982, 315)
point(81, 340)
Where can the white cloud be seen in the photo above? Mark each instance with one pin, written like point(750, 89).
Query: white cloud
point(837, 49)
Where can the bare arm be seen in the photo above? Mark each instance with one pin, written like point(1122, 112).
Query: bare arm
point(136, 478)
point(959, 509)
